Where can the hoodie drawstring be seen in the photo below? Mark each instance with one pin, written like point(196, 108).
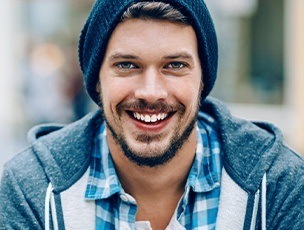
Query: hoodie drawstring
point(49, 199)
point(264, 192)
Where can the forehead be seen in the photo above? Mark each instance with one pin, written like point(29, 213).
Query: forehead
point(153, 35)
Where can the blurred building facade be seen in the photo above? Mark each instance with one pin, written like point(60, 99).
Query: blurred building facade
point(261, 67)
point(261, 70)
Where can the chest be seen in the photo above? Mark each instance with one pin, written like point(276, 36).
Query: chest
point(193, 211)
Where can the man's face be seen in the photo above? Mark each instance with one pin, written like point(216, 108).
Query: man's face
point(150, 88)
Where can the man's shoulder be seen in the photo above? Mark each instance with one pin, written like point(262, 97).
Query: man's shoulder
point(23, 178)
point(288, 165)
point(24, 166)
point(285, 189)
point(22, 190)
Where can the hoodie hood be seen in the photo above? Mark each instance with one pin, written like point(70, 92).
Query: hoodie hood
point(250, 148)
point(64, 151)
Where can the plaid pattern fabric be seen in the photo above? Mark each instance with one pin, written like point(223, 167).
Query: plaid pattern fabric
point(198, 207)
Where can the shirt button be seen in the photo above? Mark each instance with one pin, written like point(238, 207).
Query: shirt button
point(124, 198)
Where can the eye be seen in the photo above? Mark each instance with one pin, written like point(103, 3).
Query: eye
point(176, 65)
point(126, 65)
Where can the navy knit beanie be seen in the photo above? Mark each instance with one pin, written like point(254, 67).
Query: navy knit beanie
point(106, 14)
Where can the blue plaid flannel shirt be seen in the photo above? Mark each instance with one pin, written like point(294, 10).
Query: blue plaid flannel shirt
point(198, 207)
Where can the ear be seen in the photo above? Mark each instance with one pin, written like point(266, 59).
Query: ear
point(98, 90)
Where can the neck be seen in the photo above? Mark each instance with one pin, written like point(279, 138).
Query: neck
point(154, 181)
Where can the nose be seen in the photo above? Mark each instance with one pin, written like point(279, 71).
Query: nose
point(152, 86)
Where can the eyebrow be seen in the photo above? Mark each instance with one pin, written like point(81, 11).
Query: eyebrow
point(116, 56)
point(183, 55)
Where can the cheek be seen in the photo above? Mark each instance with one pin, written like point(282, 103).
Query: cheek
point(113, 92)
point(189, 93)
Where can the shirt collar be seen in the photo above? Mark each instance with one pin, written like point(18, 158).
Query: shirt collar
point(203, 175)
point(103, 181)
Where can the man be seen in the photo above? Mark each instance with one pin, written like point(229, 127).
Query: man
point(159, 154)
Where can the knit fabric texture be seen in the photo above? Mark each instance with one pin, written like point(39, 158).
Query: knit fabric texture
point(106, 14)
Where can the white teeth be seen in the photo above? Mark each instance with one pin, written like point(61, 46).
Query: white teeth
point(153, 118)
point(150, 118)
point(147, 118)
point(135, 115)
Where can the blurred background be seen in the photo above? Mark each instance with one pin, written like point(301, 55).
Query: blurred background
point(261, 65)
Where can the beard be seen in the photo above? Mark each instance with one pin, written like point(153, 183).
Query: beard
point(158, 156)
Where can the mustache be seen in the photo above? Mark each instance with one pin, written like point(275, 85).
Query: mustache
point(142, 105)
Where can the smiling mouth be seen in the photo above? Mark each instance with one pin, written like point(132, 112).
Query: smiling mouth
point(149, 118)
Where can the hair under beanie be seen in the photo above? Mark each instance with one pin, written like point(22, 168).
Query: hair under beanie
point(106, 14)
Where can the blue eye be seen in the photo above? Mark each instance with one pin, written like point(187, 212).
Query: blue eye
point(126, 65)
point(175, 65)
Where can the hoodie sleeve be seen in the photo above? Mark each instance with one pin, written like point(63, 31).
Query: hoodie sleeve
point(21, 198)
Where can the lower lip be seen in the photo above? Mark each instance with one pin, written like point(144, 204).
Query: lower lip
point(153, 126)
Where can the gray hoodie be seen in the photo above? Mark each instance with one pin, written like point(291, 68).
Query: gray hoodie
point(262, 180)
